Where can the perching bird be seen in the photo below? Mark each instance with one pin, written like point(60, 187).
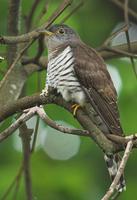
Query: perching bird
point(80, 75)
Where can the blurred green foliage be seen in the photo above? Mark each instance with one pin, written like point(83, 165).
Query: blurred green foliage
point(83, 177)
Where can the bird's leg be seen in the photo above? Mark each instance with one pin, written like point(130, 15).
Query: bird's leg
point(75, 107)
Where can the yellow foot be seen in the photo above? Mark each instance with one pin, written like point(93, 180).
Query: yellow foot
point(75, 108)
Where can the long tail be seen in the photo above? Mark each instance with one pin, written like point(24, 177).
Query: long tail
point(113, 162)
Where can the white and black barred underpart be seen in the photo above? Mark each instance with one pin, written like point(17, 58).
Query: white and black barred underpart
point(61, 76)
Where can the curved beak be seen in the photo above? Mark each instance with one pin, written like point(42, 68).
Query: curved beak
point(45, 32)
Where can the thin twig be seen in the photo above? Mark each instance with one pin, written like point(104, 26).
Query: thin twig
point(80, 4)
point(25, 135)
point(107, 42)
point(38, 118)
point(128, 38)
point(112, 52)
point(27, 102)
point(14, 25)
point(58, 11)
point(43, 12)
point(122, 47)
point(118, 51)
point(29, 18)
point(15, 181)
point(121, 5)
point(14, 126)
point(17, 187)
point(122, 140)
point(15, 61)
point(120, 171)
point(40, 111)
point(37, 59)
point(35, 33)
point(40, 50)
point(35, 135)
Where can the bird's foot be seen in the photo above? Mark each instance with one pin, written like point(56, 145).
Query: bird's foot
point(75, 107)
point(44, 93)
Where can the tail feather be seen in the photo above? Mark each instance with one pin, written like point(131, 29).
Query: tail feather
point(113, 162)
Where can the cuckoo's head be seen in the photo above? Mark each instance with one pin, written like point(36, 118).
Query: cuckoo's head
point(57, 35)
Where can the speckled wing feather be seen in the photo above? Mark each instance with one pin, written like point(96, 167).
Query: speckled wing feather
point(91, 71)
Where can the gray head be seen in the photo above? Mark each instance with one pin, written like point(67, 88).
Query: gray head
point(58, 35)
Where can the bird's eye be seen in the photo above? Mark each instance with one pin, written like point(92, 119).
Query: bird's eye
point(61, 31)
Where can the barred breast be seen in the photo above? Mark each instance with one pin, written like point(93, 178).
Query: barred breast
point(61, 75)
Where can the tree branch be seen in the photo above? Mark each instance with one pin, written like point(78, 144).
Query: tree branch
point(105, 142)
point(79, 5)
point(43, 11)
point(128, 38)
point(14, 126)
point(84, 120)
point(108, 143)
point(122, 47)
point(29, 18)
point(16, 77)
point(11, 84)
point(35, 33)
point(13, 27)
point(121, 5)
point(106, 52)
point(40, 111)
point(25, 135)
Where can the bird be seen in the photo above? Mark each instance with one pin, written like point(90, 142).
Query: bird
point(79, 74)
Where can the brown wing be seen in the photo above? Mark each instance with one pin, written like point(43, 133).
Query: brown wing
point(91, 71)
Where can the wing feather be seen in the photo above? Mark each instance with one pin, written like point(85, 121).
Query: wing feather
point(92, 73)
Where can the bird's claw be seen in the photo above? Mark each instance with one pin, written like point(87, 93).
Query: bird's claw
point(75, 108)
point(44, 93)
